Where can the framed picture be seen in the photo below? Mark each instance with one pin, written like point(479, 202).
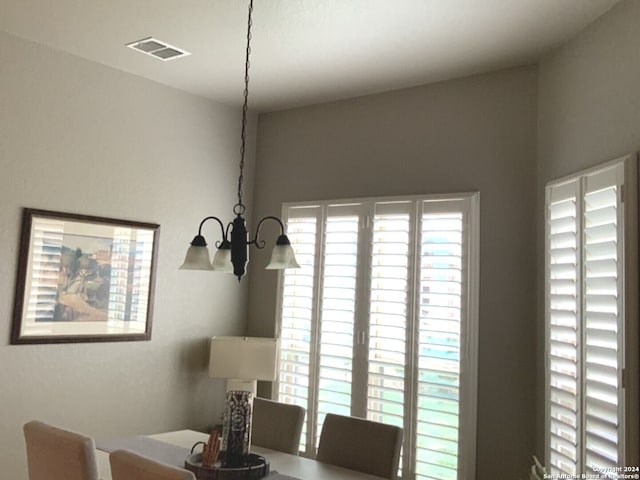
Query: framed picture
point(84, 279)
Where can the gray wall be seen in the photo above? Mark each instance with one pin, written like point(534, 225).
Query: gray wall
point(589, 112)
point(476, 133)
point(79, 137)
point(589, 96)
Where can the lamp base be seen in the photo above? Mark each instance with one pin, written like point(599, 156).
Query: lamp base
point(236, 429)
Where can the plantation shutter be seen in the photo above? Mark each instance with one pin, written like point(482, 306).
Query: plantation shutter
point(563, 328)
point(603, 314)
point(372, 325)
point(442, 274)
point(585, 322)
point(298, 312)
point(388, 310)
point(337, 312)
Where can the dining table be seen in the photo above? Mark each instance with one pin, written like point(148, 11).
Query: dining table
point(174, 447)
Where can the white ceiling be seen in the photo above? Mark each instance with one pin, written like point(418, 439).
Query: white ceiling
point(304, 51)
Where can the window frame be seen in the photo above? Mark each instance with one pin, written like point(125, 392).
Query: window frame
point(469, 204)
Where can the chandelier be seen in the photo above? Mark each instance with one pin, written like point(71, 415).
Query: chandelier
point(232, 251)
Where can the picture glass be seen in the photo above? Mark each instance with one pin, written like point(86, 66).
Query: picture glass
point(84, 278)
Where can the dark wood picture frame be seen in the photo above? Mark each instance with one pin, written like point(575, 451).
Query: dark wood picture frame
point(83, 278)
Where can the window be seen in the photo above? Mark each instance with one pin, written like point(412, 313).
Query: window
point(589, 281)
point(381, 323)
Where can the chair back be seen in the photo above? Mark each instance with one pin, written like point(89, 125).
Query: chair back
point(126, 465)
point(276, 425)
point(57, 454)
point(359, 444)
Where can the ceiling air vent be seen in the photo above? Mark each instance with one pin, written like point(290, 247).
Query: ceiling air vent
point(158, 49)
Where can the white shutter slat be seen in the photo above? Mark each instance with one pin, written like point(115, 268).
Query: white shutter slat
point(562, 239)
point(602, 409)
point(567, 441)
point(596, 463)
point(604, 374)
point(563, 286)
point(558, 458)
point(563, 302)
point(602, 320)
point(601, 196)
point(602, 355)
point(602, 250)
point(606, 341)
point(564, 318)
point(607, 430)
point(606, 451)
point(600, 268)
point(562, 210)
point(560, 463)
point(600, 215)
point(564, 333)
point(563, 256)
point(563, 271)
point(564, 365)
point(603, 286)
point(563, 382)
point(565, 399)
point(603, 392)
point(562, 224)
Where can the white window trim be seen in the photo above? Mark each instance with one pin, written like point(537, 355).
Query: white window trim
point(469, 390)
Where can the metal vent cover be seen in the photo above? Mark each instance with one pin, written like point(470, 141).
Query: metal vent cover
point(157, 49)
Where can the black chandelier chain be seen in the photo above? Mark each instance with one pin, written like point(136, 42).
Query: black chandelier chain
point(239, 208)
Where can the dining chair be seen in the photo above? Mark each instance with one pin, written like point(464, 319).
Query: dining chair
point(57, 454)
point(361, 445)
point(127, 465)
point(277, 425)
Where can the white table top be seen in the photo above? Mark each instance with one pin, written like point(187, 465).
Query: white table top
point(285, 463)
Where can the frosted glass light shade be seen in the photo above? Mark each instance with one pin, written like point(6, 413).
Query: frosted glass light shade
point(282, 256)
point(197, 258)
point(222, 260)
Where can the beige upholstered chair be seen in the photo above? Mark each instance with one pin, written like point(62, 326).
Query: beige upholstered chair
point(126, 465)
point(56, 454)
point(276, 425)
point(362, 445)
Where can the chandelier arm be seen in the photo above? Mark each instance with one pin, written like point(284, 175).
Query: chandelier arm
point(261, 243)
point(224, 234)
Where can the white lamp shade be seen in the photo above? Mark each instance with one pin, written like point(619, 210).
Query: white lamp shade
point(222, 260)
point(282, 257)
point(248, 358)
point(197, 258)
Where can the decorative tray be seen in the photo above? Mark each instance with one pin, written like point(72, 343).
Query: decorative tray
point(256, 468)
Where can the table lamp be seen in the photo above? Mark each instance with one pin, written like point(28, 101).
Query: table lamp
point(242, 361)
